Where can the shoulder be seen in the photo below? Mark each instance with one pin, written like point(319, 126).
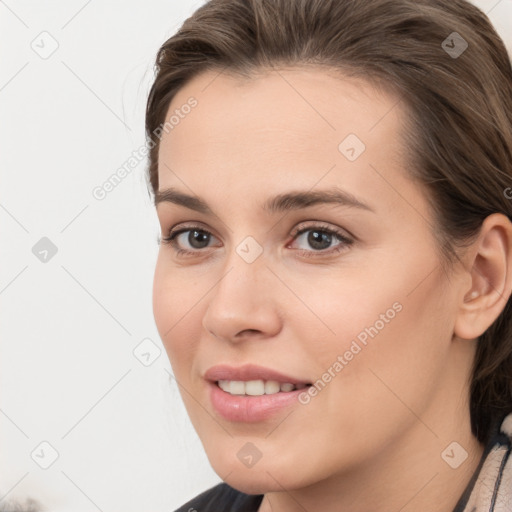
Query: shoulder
point(491, 484)
point(222, 498)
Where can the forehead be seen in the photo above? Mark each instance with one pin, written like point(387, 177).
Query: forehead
point(289, 104)
point(281, 126)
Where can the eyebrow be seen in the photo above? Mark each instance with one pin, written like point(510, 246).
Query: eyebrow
point(279, 203)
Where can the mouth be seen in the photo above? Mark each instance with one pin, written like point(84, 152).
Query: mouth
point(252, 379)
point(258, 387)
point(252, 393)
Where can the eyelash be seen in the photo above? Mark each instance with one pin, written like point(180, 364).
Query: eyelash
point(345, 241)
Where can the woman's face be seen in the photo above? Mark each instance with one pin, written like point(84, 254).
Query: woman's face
point(356, 302)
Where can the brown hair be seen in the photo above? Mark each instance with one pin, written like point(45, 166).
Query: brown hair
point(459, 134)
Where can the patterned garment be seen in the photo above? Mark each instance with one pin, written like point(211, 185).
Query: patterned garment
point(489, 490)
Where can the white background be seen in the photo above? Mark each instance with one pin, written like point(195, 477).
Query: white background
point(68, 375)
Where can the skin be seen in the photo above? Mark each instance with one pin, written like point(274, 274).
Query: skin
point(372, 438)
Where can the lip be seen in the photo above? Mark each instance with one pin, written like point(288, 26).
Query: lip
point(250, 409)
point(249, 372)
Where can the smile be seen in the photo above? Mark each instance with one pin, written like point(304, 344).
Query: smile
point(257, 387)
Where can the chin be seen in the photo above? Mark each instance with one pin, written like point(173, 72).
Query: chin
point(261, 479)
point(260, 483)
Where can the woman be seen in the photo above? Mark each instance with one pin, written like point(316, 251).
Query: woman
point(333, 183)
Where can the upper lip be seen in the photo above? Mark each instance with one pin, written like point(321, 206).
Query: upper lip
point(248, 372)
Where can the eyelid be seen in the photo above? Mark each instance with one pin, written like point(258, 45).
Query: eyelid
point(345, 238)
point(321, 225)
point(174, 232)
point(190, 226)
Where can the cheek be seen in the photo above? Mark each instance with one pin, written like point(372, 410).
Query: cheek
point(175, 310)
point(342, 313)
point(391, 321)
point(394, 348)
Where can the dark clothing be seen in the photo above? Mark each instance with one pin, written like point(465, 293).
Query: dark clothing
point(223, 498)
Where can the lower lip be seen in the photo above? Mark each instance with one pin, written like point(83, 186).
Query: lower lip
point(250, 409)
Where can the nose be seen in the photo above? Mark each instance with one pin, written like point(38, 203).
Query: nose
point(244, 303)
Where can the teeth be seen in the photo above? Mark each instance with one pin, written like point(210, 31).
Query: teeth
point(256, 387)
point(237, 388)
point(271, 387)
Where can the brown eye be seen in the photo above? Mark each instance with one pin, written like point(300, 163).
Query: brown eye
point(320, 239)
point(188, 240)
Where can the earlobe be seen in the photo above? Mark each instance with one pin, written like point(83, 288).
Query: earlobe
point(490, 269)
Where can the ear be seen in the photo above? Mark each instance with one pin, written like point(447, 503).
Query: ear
point(489, 263)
